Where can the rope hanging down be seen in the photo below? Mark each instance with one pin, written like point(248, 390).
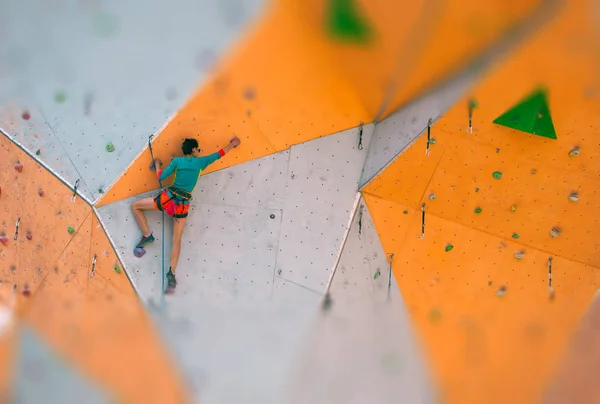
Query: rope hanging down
point(162, 280)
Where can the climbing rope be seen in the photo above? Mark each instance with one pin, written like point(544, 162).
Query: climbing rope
point(162, 240)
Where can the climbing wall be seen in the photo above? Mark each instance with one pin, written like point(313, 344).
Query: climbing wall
point(258, 234)
point(493, 225)
point(316, 85)
point(452, 251)
point(54, 70)
point(71, 288)
point(368, 318)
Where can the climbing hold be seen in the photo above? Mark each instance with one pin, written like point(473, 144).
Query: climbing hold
point(551, 295)
point(435, 315)
point(501, 291)
point(105, 24)
point(272, 216)
point(28, 236)
point(153, 164)
point(575, 151)
point(432, 197)
point(346, 23)
point(327, 301)
point(377, 274)
point(476, 189)
point(38, 152)
point(249, 93)
point(60, 97)
point(448, 247)
point(139, 252)
point(513, 208)
point(432, 141)
point(100, 190)
point(497, 175)
point(71, 230)
point(515, 236)
point(533, 171)
point(472, 104)
point(530, 115)
point(110, 147)
point(554, 232)
point(25, 115)
point(40, 192)
point(26, 291)
point(405, 212)
point(489, 283)
point(497, 150)
point(478, 210)
point(519, 255)
point(117, 269)
point(3, 239)
point(574, 196)
point(19, 167)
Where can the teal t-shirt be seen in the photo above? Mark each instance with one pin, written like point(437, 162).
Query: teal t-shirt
point(187, 170)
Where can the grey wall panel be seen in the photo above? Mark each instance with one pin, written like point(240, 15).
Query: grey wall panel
point(322, 182)
point(258, 183)
point(42, 376)
point(362, 349)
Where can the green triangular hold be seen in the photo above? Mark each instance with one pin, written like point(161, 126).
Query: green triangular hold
point(344, 21)
point(530, 115)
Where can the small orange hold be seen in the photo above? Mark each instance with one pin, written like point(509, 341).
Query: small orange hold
point(40, 192)
point(29, 236)
point(19, 167)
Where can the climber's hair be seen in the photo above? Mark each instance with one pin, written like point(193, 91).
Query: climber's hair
point(188, 146)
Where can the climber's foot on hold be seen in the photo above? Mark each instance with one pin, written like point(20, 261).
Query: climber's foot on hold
point(171, 282)
point(145, 240)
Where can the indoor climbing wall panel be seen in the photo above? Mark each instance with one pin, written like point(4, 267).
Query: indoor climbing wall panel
point(368, 318)
point(405, 180)
point(29, 129)
point(44, 376)
point(145, 272)
point(499, 203)
point(85, 312)
point(397, 133)
point(38, 215)
point(481, 304)
point(321, 186)
point(575, 379)
point(478, 32)
point(511, 197)
point(354, 32)
point(70, 285)
point(279, 88)
point(54, 67)
point(573, 105)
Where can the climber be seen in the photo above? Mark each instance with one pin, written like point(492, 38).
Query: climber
point(175, 200)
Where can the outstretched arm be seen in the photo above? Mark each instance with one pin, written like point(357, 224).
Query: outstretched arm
point(211, 158)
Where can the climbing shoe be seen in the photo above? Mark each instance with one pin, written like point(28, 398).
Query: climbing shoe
point(145, 240)
point(171, 281)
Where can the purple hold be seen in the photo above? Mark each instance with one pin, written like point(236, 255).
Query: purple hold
point(139, 252)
